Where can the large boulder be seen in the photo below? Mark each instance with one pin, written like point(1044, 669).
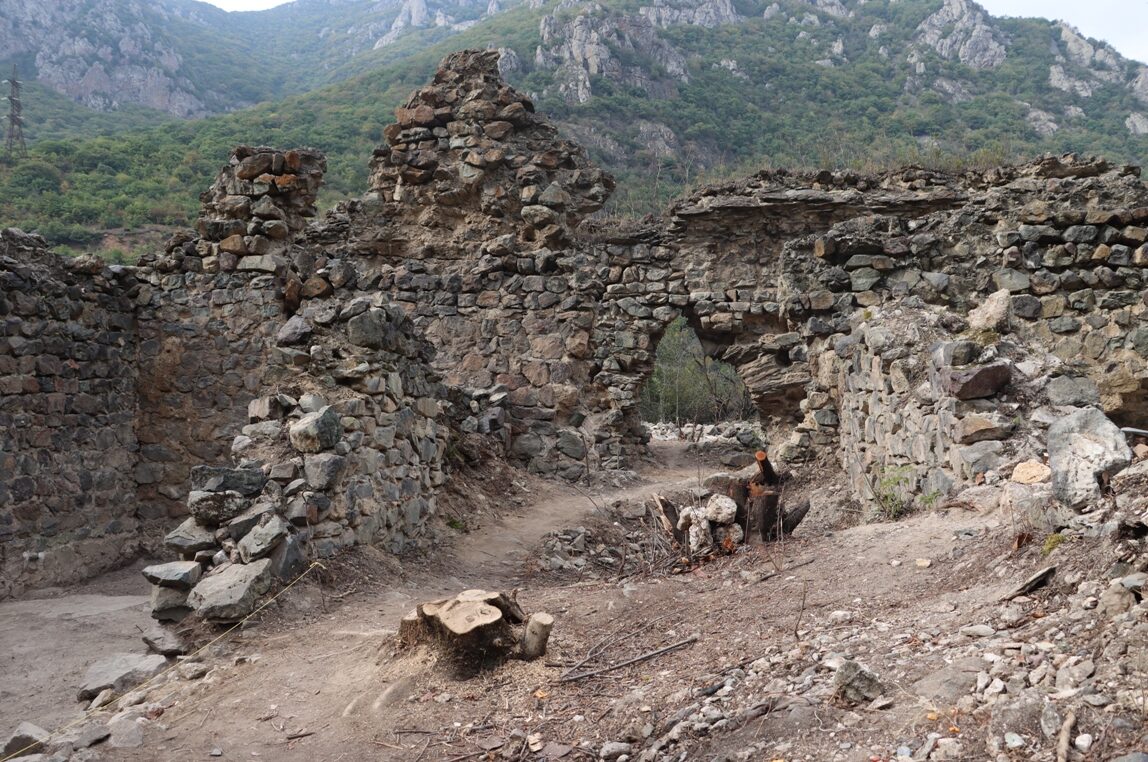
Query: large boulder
point(230, 594)
point(1083, 448)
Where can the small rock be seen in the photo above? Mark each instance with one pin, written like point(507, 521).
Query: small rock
point(854, 684)
point(1083, 742)
point(977, 631)
point(611, 750)
point(1014, 740)
point(720, 509)
point(924, 563)
point(192, 670)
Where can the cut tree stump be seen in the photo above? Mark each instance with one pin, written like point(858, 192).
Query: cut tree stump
point(476, 629)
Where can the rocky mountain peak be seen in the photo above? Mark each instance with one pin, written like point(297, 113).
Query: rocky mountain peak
point(960, 29)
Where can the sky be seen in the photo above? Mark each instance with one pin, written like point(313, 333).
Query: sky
point(1121, 23)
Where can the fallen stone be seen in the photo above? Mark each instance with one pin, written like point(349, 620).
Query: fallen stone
point(119, 672)
point(316, 431)
point(126, 732)
point(189, 537)
point(1083, 448)
point(28, 739)
point(215, 508)
point(947, 684)
point(262, 539)
point(230, 594)
point(82, 737)
point(853, 684)
point(288, 559)
point(164, 642)
point(168, 604)
point(245, 481)
point(239, 526)
point(977, 631)
point(978, 382)
point(1115, 600)
point(192, 670)
point(1032, 505)
point(181, 575)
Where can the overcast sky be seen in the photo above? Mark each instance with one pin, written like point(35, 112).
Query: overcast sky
point(1122, 23)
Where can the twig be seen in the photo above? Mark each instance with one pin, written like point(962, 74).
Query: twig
point(628, 662)
point(801, 611)
point(304, 734)
point(1063, 741)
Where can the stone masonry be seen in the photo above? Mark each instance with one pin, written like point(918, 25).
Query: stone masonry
point(296, 382)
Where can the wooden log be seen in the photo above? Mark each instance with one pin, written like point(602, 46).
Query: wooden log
point(537, 635)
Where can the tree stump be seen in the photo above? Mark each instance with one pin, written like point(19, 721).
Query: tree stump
point(476, 629)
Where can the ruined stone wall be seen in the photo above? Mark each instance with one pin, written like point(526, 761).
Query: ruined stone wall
point(208, 310)
point(68, 450)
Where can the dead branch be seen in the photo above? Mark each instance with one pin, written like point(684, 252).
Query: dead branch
point(643, 657)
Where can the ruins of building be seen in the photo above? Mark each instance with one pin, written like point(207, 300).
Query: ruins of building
point(302, 377)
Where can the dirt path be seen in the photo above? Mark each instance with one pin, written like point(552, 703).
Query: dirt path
point(321, 680)
point(48, 640)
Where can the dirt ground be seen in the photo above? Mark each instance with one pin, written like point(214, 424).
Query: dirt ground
point(321, 677)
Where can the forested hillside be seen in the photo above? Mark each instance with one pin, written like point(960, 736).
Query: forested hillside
point(663, 94)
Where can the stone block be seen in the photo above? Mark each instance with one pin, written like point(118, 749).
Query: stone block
point(181, 575)
point(245, 481)
point(215, 508)
point(316, 431)
point(1082, 447)
point(978, 382)
point(263, 538)
point(231, 593)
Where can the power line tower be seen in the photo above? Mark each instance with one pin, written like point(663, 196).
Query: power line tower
point(15, 118)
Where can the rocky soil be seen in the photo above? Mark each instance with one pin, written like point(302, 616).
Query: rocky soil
point(879, 641)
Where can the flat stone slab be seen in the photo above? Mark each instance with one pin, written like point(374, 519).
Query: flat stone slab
point(230, 594)
point(181, 575)
point(28, 739)
point(120, 672)
point(246, 481)
point(262, 539)
point(189, 537)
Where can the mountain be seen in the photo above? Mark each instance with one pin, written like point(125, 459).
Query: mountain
point(190, 59)
point(663, 92)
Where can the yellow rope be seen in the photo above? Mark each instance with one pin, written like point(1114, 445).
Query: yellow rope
point(88, 713)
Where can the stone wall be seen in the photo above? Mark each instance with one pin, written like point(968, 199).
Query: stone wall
point(846, 303)
point(68, 379)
